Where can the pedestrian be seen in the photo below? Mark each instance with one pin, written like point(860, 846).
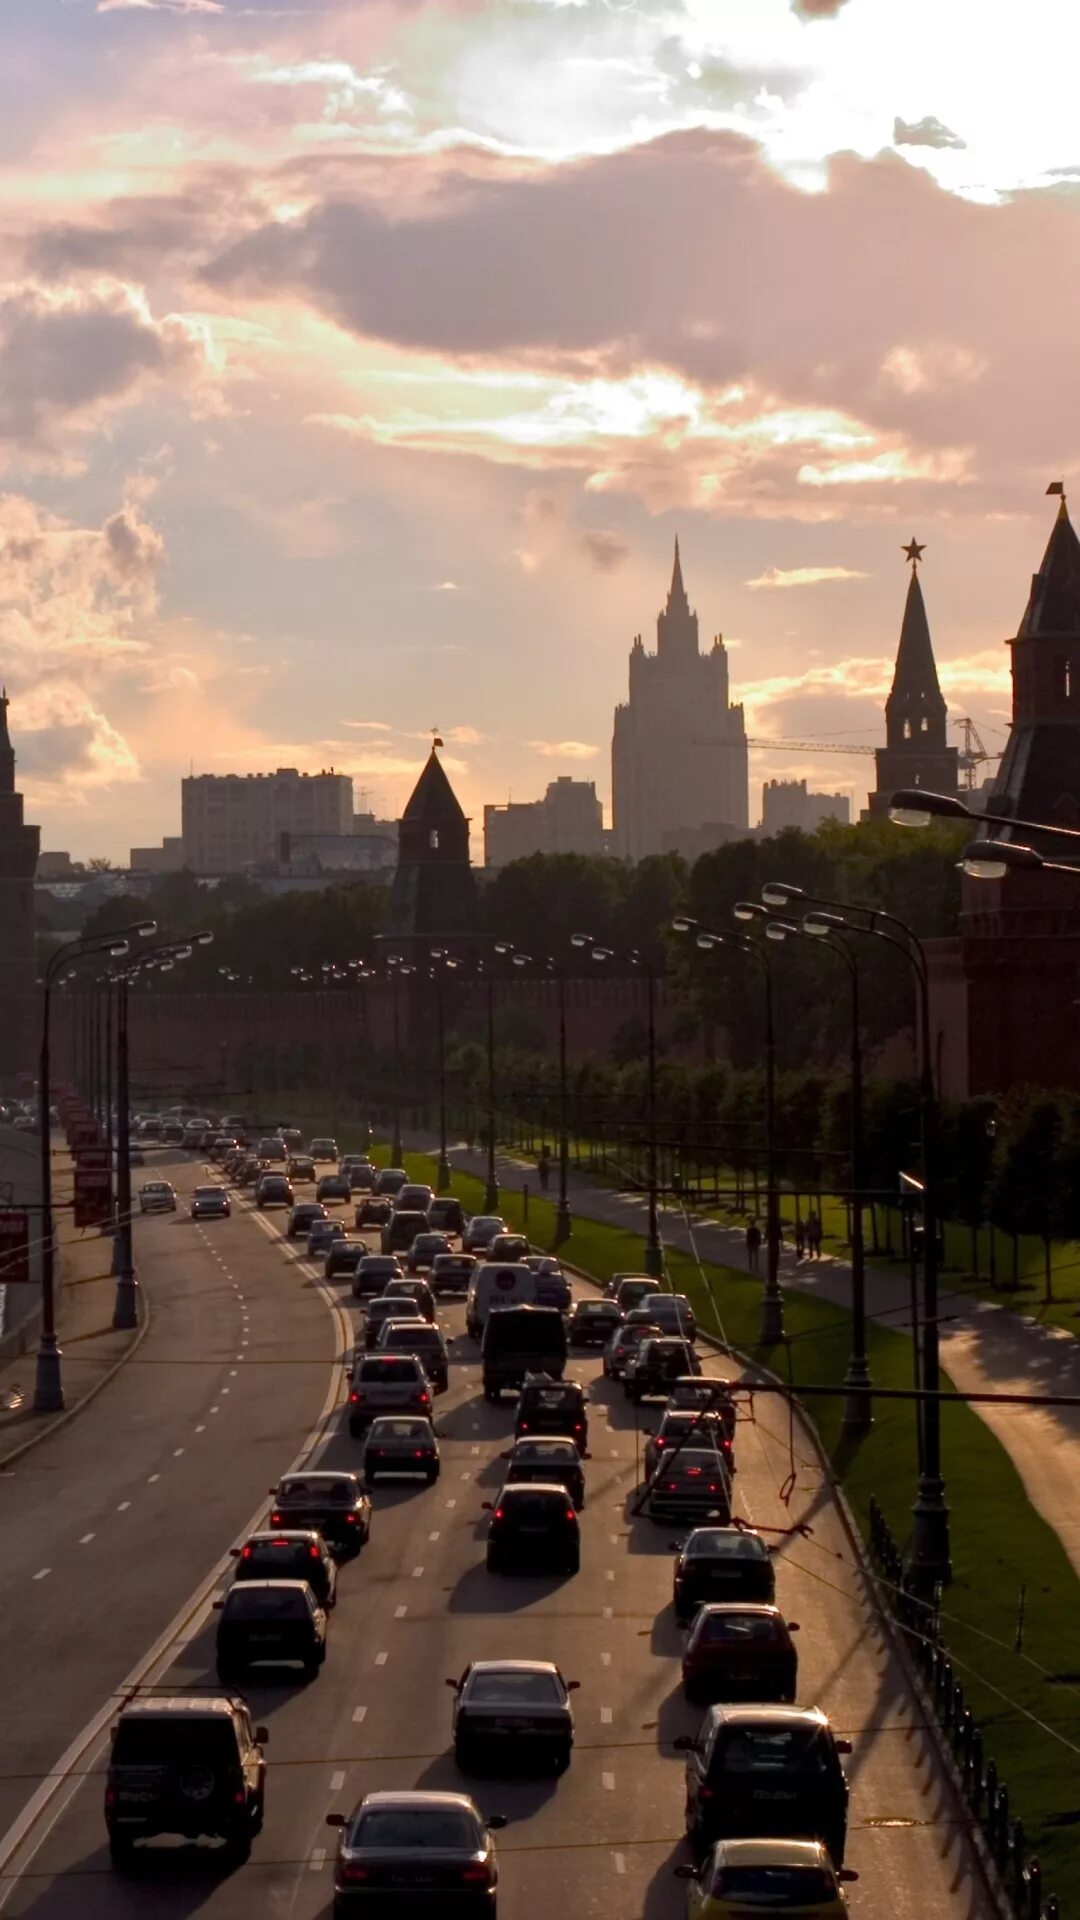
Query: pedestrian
point(800, 1237)
point(813, 1235)
point(753, 1246)
point(543, 1168)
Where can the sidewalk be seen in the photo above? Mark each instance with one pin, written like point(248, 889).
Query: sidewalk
point(91, 1350)
point(984, 1348)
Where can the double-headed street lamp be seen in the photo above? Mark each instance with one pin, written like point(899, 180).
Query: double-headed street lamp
point(772, 1300)
point(654, 1252)
point(929, 1560)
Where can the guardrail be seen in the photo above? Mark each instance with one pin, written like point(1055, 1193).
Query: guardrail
point(986, 1794)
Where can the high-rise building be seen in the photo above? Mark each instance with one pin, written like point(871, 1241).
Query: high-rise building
point(569, 819)
point(433, 894)
point(678, 755)
point(19, 846)
point(786, 803)
point(916, 751)
point(233, 821)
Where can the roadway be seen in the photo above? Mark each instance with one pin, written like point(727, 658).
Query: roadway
point(419, 1604)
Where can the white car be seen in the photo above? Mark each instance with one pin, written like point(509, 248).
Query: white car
point(157, 1196)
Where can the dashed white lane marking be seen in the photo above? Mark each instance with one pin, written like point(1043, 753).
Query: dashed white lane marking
point(451, 1503)
point(435, 1536)
point(474, 1449)
point(466, 1476)
point(620, 1862)
point(239, 1356)
point(359, 1716)
point(41, 1573)
point(381, 1659)
point(607, 1781)
point(418, 1573)
point(232, 1373)
point(606, 1613)
point(605, 1716)
point(318, 1859)
point(614, 1539)
point(614, 1453)
point(151, 1477)
point(337, 1781)
point(605, 1659)
point(215, 1409)
point(177, 1451)
point(244, 1343)
point(123, 1507)
point(86, 1539)
point(400, 1612)
point(200, 1429)
point(609, 1573)
point(224, 1390)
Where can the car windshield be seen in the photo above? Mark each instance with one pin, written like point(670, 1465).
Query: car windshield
point(764, 1749)
point(277, 1558)
point(775, 1888)
point(407, 1829)
point(399, 1430)
point(209, 1193)
point(265, 1603)
point(171, 1741)
point(526, 1509)
point(516, 1689)
point(338, 1493)
point(388, 1372)
point(412, 1339)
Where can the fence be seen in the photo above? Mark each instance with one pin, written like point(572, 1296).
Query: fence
point(986, 1794)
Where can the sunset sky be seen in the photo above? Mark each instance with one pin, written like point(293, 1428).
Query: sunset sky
point(360, 360)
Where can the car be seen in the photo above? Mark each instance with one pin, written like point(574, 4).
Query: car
point(233, 1162)
point(210, 1203)
point(533, 1526)
point(552, 1284)
point(373, 1273)
point(550, 1458)
point(414, 1197)
point(334, 1504)
point(522, 1343)
point(323, 1149)
point(446, 1214)
point(480, 1230)
point(658, 1361)
point(362, 1178)
point(740, 1652)
point(593, 1323)
point(401, 1229)
point(628, 1290)
point(272, 1150)
point(509, 1711)
point(416, 1851)
point(792, 1877)
point(409, 1288)
point(221, 1146)
point(249, 1170)
point(419, 1338)
point(682, 1427)
point(763, 1773)
point(388, 1306)
point(300, 1555)
point(401, 1443)
point(720, 1563)
point(507, 1248)
point(273, 1190)
point(552, 1406)
point(373, 1212)
point(293, 1139)
point(150, 1127)
point(273, 1622)
point(691, 1390)
point(451, 1273)
point(343, 1257)
point(172, 1134)
point(157, 1196)
point(302, 1217)
point(672, 1313)
point(189, 1764)
point(322, 1234)
point(425, 1250)
point(386, 1383)
point(334, 1187)
point(300, 1169)
point(390, 1180)
point(621, 1349)
point(193, 1133)
point(350, 1163)
point(693, 1485)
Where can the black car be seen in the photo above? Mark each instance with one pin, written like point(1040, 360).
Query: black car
point(333, 1504)
point(269, 1622)
point(373, 1271)
point(413, 1852)
point(593, 1322)
point(659, 1361)
point(552, 1406)
point(721, 1563)
point(740, 1653)
point(188, 1764)
point(682, 1427)
point(333, 1186)
point(762, 1772)
point(273, 1190)
point(507, 1248)
point(302, 1218)
point(693, 1485)
point(446, 1214)
point(451, 1273)
point(401, 1443)
point(343, 1257)
point(425, 1250)
point(548, 1459)
point(513, 1710)
point(289, 1556)
point(387, 1306)
point(426, 1342)
point(373, 1212)
point(402, 1228)
point(533, 1527)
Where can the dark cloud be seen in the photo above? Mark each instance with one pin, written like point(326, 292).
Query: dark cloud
point(606, 549)
point(134, 548)
point(64, 354)
point(927, 132)
point(47, 753)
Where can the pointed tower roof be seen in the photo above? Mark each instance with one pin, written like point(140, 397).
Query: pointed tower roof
point(1053, 606)
point(916, 668)
point(676, 626)
point(676, 591)
point(433, 802)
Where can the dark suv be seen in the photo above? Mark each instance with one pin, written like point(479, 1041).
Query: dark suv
point(300, 1555)
point(766, 1773)
point(552, 1406)
point(533, 1526)
point(189, 1764)
point(721, 1563)
point(659, 1361)
point(269, 1621)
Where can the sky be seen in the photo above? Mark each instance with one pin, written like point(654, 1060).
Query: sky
point(361, 359)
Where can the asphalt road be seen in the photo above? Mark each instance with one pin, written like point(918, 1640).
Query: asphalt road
point(108, 1524)
point(419, 1604)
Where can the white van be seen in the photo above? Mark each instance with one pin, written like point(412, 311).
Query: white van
point(497, 1283)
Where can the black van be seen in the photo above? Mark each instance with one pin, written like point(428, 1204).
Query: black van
point(765, 1773)
point(521, 1340)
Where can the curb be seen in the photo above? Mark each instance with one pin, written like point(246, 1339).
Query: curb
point(70, 1413)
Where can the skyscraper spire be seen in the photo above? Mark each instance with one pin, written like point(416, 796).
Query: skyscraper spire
point(676, 591)
point(676, 626)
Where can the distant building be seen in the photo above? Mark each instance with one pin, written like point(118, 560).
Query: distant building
point(166, 858)
point(678, 755)
point(57, 866)
point(233, 821)
point(786, 803)
point(433, 894)
point(916, 752)
point(364, 851)
point(569, 819)
point(18, 859)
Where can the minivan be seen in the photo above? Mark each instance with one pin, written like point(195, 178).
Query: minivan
point(494, 1285)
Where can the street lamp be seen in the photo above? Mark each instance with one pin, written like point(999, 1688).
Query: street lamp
point(707, 938)
point(993, 859)
point(654, 1252)
point(48, 1382)
point(929, 1559)
point(912, 807)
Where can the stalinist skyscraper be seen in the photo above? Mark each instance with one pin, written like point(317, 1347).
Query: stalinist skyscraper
point(678, 756)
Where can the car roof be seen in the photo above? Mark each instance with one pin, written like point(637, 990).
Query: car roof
point(729, 1534)
point(760, 1609)
point(773, 1853)
point(264, 1537)
point(320, 1478)
point(546, 1440)
point(271, 1586)
point(193, 1706)
point(514, 1666)
point(527, 1488)
point(811, 1718)
point(419, 1799)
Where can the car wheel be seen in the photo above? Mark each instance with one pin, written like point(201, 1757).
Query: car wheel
point(238, 1848)
point(121, 1849)
point(494, 1563)
point(431, 1476)
point(573, 1564)
point(562, 1758)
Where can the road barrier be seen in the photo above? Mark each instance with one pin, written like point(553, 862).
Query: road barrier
point(988, 1797)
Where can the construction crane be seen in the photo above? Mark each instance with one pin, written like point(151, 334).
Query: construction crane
point(973, 752)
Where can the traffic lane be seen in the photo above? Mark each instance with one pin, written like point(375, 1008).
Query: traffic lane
point(119, 1515)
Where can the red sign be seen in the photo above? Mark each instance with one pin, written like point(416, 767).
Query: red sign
point(82, 1133)
point(14, 1245)
point(93, 1157)
point(93, 1196)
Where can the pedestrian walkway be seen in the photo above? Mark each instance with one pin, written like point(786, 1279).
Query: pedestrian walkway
point(985, 1348)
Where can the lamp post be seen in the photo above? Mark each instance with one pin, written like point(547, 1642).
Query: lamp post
point(772, 1300)
point(397, 969)
point(563, 1223)
point(48, 1382)
point(491, 1188)
point(442, 963)
point(929, 1558)
point(654, 1252)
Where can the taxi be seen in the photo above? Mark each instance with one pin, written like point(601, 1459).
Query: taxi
point(742, 1879)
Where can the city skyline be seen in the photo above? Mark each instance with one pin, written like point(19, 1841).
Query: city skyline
point(246, 454)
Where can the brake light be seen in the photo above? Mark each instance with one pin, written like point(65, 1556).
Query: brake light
point(475, 1874)
point(110, 1796)
point(238, 1797)
point(313, 1552)
point(571, 1515)
point(693, 1473)
point(418, 1453)
point(353, 1397)
point(352, 1870)
point(423, 1399)
point(706, 1793)
point(245, 1553)
point(350, 1519)
point(498, 1514)
point(275, 1519)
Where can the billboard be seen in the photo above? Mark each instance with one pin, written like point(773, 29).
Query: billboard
point(14, 1245)
point(93, 1196)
